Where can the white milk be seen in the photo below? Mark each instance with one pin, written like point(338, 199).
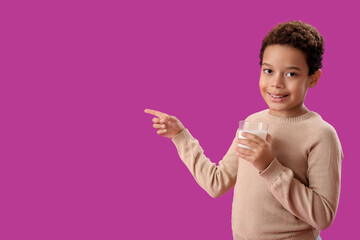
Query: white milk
point(260, 133)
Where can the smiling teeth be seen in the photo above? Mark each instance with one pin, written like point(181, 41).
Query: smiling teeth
point(275, 96)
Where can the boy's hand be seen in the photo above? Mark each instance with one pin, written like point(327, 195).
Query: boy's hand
point(168, 126)
point(261, 153)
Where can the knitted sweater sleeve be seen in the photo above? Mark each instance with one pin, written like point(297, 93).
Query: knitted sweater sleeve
point(215, 180)
point(317, 203)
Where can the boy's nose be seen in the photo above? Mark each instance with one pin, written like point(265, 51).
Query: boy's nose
point(277, 81)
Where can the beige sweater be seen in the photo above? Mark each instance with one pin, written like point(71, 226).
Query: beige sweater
point(294, 198)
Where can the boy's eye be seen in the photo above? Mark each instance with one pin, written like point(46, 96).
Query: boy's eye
point(291, 74)
point(268, 71)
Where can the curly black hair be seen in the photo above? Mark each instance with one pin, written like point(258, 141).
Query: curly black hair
point(299, 35)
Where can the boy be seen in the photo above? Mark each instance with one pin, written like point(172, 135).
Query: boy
point(287, 186)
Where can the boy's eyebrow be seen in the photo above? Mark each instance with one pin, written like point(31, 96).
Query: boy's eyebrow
point(291, 67)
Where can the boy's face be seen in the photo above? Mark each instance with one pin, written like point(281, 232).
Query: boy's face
point(284, 80)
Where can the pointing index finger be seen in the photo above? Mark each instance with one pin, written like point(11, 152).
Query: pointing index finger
point(154, 112)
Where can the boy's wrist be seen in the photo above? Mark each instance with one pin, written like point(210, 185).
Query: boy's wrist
point(182, 137)
point(272, 172)
point(266, 167)
point(177, 133)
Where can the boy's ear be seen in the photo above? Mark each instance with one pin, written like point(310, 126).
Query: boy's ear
point(314, 79)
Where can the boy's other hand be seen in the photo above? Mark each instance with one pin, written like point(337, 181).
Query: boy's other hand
point(260, 155)
point(166, 125)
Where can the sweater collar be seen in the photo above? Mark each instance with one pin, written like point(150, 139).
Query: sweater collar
point(290, 119)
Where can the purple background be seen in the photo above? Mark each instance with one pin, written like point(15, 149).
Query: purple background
point(79, 158)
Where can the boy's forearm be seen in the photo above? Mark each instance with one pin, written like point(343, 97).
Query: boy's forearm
point(302, 201)
point(215, 180)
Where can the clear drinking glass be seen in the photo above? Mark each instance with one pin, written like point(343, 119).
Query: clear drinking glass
point(258, 128)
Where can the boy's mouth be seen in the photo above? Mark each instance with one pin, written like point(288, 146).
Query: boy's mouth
point(277, 97)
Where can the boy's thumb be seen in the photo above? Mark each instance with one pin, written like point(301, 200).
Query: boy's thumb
point(269, 138)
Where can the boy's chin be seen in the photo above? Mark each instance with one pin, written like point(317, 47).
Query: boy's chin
point(277, 109)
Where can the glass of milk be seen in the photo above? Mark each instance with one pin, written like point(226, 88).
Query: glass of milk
point(258, 128)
